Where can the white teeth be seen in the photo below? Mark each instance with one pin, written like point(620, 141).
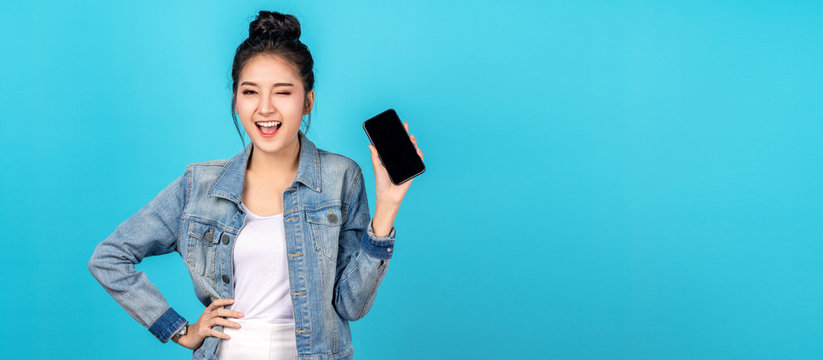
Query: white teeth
point(268, 123)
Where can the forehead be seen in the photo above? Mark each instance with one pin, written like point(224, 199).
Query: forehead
point(266, 68)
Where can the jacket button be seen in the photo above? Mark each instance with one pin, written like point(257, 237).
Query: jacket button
point(225, 239)
point(209, 236)
point(332, 218)
point(225, 278)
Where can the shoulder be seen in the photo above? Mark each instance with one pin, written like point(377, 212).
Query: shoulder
point(205, 170)
point(208, 163)
point(340, 175)
point(335, 164)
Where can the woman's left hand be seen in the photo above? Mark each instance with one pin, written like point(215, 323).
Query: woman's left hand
point(387, 192)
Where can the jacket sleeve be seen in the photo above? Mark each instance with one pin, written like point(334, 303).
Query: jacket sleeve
point(362, 258)
point(153, 230)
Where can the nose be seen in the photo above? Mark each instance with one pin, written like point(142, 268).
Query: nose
point(266, 106)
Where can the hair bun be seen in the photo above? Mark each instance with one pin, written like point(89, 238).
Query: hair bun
point(275, 24)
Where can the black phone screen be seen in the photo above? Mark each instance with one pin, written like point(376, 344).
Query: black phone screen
point(394, 147)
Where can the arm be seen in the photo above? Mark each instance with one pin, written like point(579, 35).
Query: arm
point(153, 230)
point(363, 258)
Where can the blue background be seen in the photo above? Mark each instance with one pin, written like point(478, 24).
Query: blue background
point(605, 180)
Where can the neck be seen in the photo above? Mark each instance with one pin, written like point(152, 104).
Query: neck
point(274, 165)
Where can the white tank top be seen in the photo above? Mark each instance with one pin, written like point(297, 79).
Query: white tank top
point(261, 272)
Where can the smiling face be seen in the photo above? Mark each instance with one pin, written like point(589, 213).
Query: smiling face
point(270, 102)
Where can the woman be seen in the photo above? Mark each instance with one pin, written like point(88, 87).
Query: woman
point(277, 238)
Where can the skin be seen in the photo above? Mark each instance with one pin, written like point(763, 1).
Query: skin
point(269, 88)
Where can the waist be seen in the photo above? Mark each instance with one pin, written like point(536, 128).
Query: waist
point(259, 325)
point(258, 339)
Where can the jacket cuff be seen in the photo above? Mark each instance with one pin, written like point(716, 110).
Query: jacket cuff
point(168, 324)
point(379, 247)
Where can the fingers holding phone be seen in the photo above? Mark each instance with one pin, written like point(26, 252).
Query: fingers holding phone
point(395, 147)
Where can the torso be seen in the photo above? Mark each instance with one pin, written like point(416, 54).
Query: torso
point(264, 196)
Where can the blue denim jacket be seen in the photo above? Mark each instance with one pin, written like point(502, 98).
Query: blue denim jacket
point(335, 261)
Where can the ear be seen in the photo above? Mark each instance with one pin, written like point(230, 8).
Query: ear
point(309, 104)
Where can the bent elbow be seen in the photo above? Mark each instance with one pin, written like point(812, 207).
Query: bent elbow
point(349, 316)
point(98, 264)
point(347, 311)
point(93, 264)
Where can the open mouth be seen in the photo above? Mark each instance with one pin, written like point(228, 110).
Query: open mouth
point(268, 128)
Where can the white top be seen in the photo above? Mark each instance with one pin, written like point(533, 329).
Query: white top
point(261, 272)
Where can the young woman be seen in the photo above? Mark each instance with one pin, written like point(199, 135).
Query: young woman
point(278, 238)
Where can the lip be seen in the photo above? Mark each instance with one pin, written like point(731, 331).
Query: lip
point(267, 136)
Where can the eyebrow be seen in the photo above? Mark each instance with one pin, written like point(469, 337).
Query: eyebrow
point(276, 84)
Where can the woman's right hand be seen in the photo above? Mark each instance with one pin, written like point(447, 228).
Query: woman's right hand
point(213, 315)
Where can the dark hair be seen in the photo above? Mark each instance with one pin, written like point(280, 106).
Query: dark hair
point(276, 34)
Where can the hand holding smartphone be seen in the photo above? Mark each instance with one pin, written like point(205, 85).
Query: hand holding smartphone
point(395, 149)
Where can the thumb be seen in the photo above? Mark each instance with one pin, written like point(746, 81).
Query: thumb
point(374, 158)
point(375, 161)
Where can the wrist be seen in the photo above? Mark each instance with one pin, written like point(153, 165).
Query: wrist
point(180, 333)
point(386, 202)
point(386, 207)
point(383, 220)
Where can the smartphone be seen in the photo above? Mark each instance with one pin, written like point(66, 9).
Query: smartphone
point(394, 146)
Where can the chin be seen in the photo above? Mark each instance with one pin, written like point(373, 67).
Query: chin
point(278, 143)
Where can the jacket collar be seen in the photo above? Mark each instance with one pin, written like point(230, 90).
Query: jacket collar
point(229, 182)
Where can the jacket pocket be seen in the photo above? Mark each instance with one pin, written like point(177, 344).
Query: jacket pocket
point(203, 240)
point(325, 230)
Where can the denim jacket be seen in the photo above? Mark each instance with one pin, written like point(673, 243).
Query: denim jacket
point(335, 261)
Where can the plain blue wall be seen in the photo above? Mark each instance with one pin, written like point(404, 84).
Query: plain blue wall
point(605, 180)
